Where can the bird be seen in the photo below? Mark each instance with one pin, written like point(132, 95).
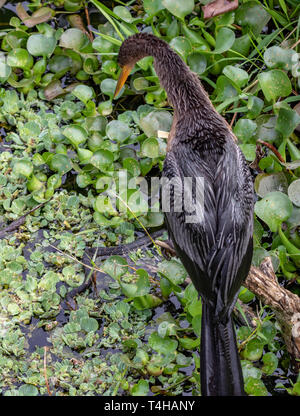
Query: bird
point(215, 248)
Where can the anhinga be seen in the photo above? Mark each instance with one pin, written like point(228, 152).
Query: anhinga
point(217, 250)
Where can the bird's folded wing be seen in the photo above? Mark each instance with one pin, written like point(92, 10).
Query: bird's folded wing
point(217, 250)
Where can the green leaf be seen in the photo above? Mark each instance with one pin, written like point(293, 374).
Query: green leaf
point(255, 387)
point(270, 363)
point(102, 159)
point(253, 350)
point(274, 84)
point(179, 8)
point(253, 16)
point(28, 390)
point(277, 57)
point(23, 167)
point(270, 182)
point(294, 192)
point(273, 209)
point(181, 45)
point(287, 121)
point(254, 105)
point(195, 307)
point(173, 271)
point(60, 163)
point(73, 39)
point(118, 131)
point(224, 40)
point(103, 45)
point(108, 87)
point(245, 295)
point(236, 75)
point(244, 129)
point(5, 71)
point(166, 328)
point(196, 324)
point(132, 166)
point(164, 345)
point(83, 93)
point(19, 58)
point(154, 121)
point(197, 62)
point(266, 128)
point(104, 205)
point(224, 89)
point(41, 45)
point(123, 13)
point(140, 389)
point(146, 302)
point(84, 155)
point(89, 324)
point(150, 148)
point(76, 134)
point(115, 266)
point(249, 151)
point(152, 7)
point(189, 343)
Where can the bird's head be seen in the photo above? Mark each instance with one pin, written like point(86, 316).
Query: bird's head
point(132, 50)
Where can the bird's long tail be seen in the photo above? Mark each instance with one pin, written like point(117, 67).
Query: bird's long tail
point(220, 367)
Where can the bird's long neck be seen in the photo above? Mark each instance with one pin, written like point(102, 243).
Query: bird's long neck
point(183, 88)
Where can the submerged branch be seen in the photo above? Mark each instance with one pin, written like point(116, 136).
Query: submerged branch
point(285, 304)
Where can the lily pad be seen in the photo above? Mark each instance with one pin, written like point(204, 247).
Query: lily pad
point(275, 83)
point(76, 134)
point(181, 45)
point(253, 16)
point(118, 131)
point(73, 39)
point(89, 324)
point(23, 167)
point(236, 75)
point(28, 390)
point(83, 92)
point(5, 71)
point(154, 121)
point(179, 8)
point(224, 40)
point(173, 271)
point(153, 6)
point(197, 62)
point(108, 87)
point(162, 345)
point(245, 129)
point(60, 163)
point(273, 209)
point(102, 159)
point(270, 182)
point(270, 363)
point(19, 58)
point(277, 57)
point(141, 388)
point(41, 45)
point(294, 192)
point(287, 121)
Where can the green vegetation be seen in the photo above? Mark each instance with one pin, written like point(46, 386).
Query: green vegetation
point(63, 142)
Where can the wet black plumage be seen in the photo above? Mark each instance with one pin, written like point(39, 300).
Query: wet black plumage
point(217, 250)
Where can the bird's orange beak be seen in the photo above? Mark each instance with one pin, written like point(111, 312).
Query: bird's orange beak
point(122, 78)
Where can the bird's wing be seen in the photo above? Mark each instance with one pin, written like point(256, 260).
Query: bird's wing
point(217, 249)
